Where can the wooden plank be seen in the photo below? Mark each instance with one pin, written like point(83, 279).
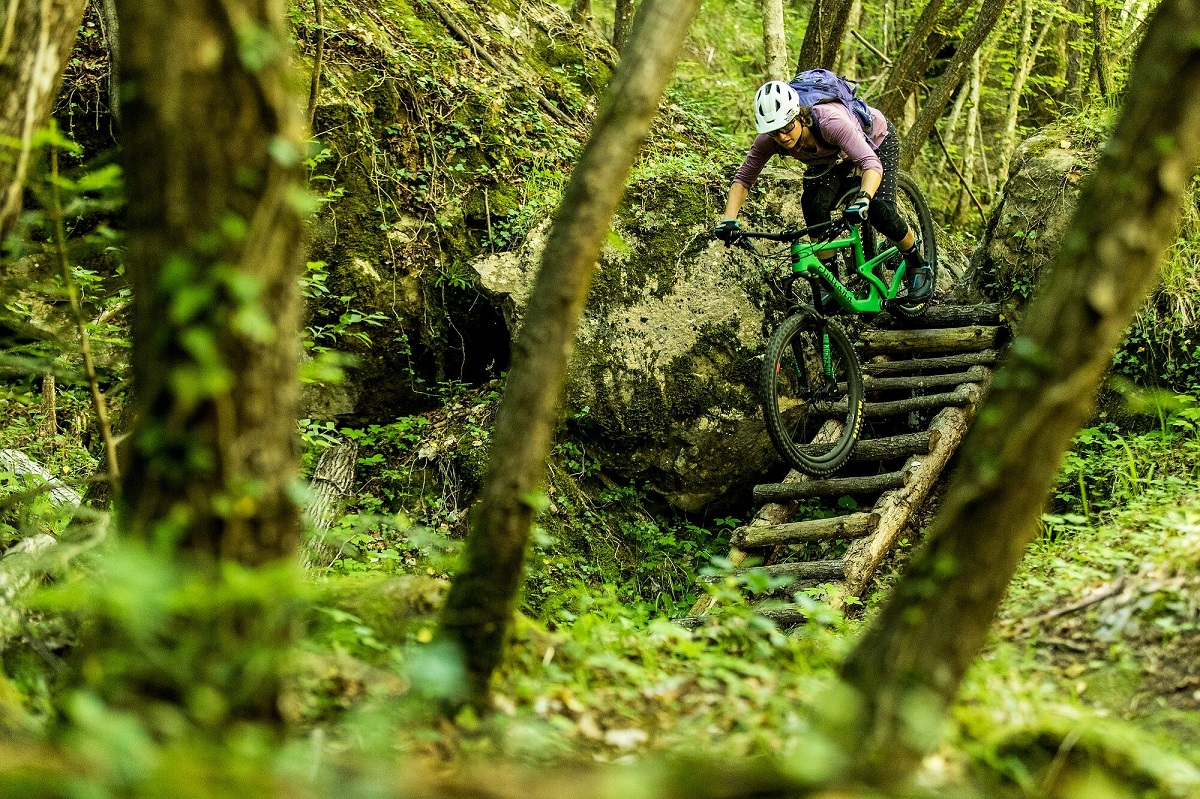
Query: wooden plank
point(786, 616)
point(773, 513)
point(988, 313)
point(834, 487)
point(895, 507)
point(876, 385)
point(901, 446)
point(877, 410)
point(819, 571)
point(922, 365)
point(936, 340)
point(852, 525)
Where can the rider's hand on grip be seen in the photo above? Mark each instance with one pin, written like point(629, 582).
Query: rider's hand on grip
point(856, 212)
point(726, 230)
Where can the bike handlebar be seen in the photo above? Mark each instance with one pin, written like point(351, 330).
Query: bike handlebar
point(823, 229)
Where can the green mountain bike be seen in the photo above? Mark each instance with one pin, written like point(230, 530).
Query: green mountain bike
point(811, 378)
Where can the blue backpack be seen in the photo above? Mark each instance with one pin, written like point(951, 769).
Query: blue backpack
point(817, 86)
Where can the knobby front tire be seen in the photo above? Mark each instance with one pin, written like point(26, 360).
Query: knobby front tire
point(802, 399)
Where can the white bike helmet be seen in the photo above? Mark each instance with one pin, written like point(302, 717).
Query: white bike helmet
point(775, 105)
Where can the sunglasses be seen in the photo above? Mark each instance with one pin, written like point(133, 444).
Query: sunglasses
point(785, 130)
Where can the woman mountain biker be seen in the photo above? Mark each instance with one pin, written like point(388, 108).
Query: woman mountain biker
point(828, 136)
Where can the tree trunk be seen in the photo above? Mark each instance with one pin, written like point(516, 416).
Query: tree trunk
point(936, 619)
point(847, 62)
point(1074, 89)
point(581, 12)
point(112, 34)
point(330, 483)
point(823, 36)
point(480, 605)
point(1101, 69)
point(985, 20)
point(212, 144)
point(774, 40)
point(1026, 58)
point(623, 14)
point(909, 66)
point(36, 37)
point(968, 151)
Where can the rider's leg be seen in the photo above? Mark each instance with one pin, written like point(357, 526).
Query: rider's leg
point(918, 277)
point(820, 193)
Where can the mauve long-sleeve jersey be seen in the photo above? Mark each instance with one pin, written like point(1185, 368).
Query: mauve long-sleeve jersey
point(839, 128)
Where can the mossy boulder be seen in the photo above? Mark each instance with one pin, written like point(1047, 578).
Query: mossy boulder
point(1026, 229)
point(663, 382)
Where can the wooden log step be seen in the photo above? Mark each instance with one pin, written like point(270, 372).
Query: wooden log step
point(936, 340)
point(901, 446)
point(785, 616)
point(923, 365)
point(853, 525)
point(817, 571)
point(988, 313)
point(878, 410)
point(950, 399)
point(834, 487)
point(876, 385)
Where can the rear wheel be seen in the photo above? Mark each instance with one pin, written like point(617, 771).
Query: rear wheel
point(812, 394)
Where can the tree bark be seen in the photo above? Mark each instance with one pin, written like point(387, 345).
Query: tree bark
point(212, 147)
point(623, 14)
point(1026, 57)
point(1101, 69)
point(480, 605)
point(909, 66)
point(36, 37)
point(1073, 93)
point(112, 33)
point(581, 12)
point(936, 620)
point(330, 483)
point(985, 20)
point(823, 36)
point(774, 40)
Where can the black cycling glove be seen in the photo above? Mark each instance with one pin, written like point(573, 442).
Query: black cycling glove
point(726, 229)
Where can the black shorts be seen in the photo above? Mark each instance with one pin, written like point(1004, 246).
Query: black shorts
point(820, 193)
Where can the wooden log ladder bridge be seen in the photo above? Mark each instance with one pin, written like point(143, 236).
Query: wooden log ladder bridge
point(938, 371)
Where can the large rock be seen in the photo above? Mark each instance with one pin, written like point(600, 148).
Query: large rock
point(1026, 229)
point(663, 383)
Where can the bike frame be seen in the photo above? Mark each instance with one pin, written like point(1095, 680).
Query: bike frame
point(806, 264)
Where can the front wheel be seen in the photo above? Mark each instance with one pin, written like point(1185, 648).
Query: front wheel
point(812, 393)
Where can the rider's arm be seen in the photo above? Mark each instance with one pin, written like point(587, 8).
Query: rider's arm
point(744, 179)
point(737, 196)
point(871, 180)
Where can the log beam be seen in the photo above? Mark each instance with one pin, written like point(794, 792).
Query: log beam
point(836, 487)
point(922, 365)
point(971, 338)
point(853, 525)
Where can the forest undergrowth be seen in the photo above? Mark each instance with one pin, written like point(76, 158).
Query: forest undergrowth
point(1102, 678)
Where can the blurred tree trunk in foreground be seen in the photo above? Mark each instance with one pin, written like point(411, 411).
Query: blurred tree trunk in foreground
point(212, 143)
point(479, 608)
point(36, 37)
point(823, 36)
point(939, 98)
point(212, 150)
point(909, 665)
